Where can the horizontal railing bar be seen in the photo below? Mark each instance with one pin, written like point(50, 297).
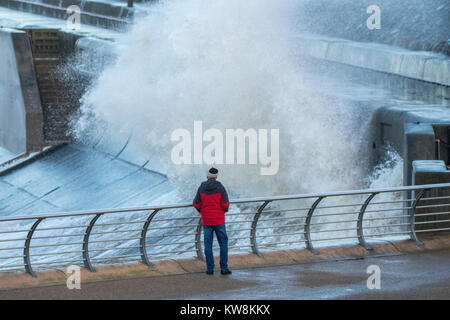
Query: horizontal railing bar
point(329, 222)
point(285, 226)
point(116, 231)
point(431, 214)
point(386, 234)
point(113, 240)
point(239, 213)
point(174, 219)
point(239, 221)
point(11, 269)
point(60, 236)
point(171, 252)
point(235, 247)
point(121, 261)
point(279, 243)
point(335, 230)
point(14, 231)
point(54, 253)
point(82, 213)
point(13, 265)
point(239, 230)
point(434, 206)
point(171, 244)
point(430, 230)
point(13, 248)
point(171, 227)
point(15, 239)
point(239, 238)
point(386, 218)
point(82, 234)
point(280, 235)
point(235, 212)
point(172, 235)
point(118, 223)
point(340, 206)
point(337, 238)
point(116, 257)
point(335, 214)
point(389, 225)
point(117, 248)
point(282, 218)
point(60, 228)
point(56, 245)
point(237, 201)
point(285, 210)
point(435, 198)
point(387, 210)
point(80, 251)
point(56, 262)
point(434, 221)
point(11, 257)
point(392, 201)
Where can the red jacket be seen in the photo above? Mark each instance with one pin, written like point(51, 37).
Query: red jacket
point(212, 202)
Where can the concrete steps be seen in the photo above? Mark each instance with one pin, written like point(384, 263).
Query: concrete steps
point(111, 15)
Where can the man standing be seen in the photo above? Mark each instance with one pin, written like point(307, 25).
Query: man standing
point(212, 203)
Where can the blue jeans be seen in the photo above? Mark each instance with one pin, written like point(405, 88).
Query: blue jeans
point(222, 238)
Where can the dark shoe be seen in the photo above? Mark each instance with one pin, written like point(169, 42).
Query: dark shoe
point(210, 272)
point(226, 271)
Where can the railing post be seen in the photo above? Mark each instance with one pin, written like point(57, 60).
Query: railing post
point(253, 229)
point(307, 230)
point(86, 258)
point(198, 241)
point(26, 250)
point(143, 239)
point(130, 3)
point(359, 227)
point(412, 217)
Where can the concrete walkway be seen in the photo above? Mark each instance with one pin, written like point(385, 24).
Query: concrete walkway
point(423, 275)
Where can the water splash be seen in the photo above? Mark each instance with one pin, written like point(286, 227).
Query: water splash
point(229, 64)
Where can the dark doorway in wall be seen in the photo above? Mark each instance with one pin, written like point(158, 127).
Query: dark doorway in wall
point(442, 134)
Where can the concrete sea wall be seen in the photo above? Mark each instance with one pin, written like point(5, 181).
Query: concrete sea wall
point(20, 105)
point(420, 65)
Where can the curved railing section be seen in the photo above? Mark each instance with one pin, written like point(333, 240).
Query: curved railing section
point(153, 233)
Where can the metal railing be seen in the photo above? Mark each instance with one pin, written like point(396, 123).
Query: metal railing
point(287, 220)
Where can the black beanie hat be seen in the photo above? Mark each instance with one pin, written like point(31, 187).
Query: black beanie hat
point(213, 171)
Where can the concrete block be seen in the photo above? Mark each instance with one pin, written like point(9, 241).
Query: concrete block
point(438, 71)
point(21, 120)
point(424, 66)
point(413, 66)
point(418, 144)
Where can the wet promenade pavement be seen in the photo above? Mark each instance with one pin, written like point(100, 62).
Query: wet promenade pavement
point(416, 276)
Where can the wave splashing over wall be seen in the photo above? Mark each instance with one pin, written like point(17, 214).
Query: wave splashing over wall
point(229, 64)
